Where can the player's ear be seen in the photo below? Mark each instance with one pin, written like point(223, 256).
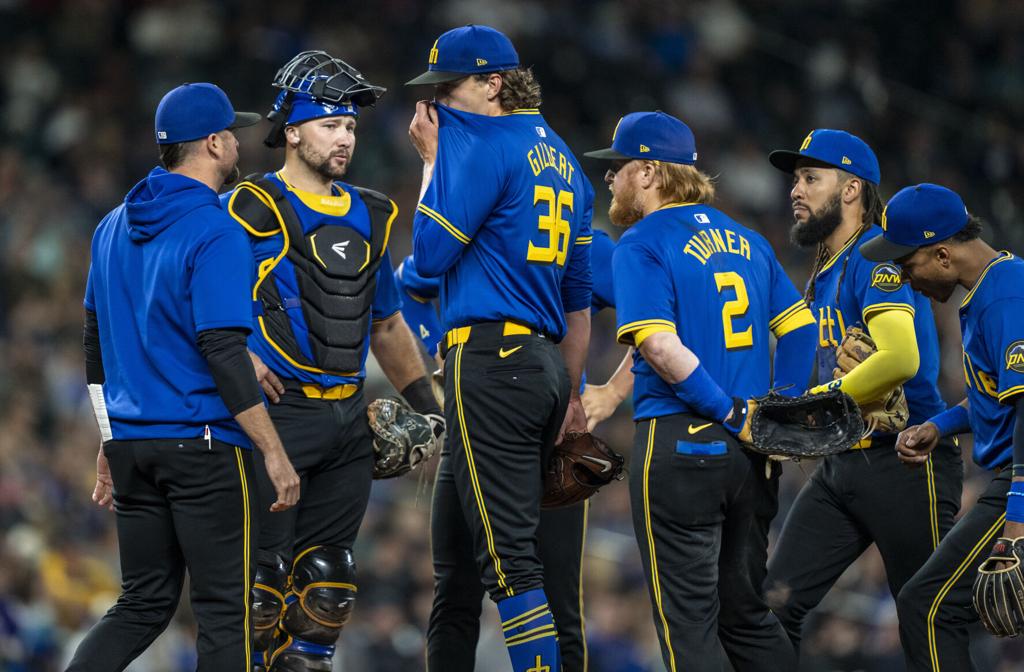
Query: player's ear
point(647, 174)
point(851, 190)
point(495, 82)
point(291, 135)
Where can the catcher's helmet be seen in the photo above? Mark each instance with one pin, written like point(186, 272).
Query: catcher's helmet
point(319, 77)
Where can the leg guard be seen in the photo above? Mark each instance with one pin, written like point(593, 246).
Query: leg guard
point(268, 602)
point(318, 606)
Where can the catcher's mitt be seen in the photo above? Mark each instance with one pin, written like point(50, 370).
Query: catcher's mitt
point(888, 414)
point(402, 438)
point(999, 591)
point(810, 426)
point(579, 467)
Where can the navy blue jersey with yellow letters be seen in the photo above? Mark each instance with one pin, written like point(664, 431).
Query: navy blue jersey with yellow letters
point(692, 270)
point(866, 288)
point(506, 220)
point(992, 323)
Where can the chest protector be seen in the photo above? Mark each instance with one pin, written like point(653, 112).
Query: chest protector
point(335, 271)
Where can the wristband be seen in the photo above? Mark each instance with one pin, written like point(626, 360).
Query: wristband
point(420, 396)
point(703, 395)
point(1015, 502)
point(953, 420)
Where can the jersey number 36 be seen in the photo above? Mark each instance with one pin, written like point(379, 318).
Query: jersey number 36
point(554, 224)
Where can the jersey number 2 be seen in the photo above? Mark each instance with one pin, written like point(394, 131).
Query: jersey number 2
point(556, 227)
point(737, 307)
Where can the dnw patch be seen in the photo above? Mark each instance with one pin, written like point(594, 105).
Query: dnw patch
point(887, 277)
point(1015, 357)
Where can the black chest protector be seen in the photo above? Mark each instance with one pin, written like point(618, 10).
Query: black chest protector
point(335, 271)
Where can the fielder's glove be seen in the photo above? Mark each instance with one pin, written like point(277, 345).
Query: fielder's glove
point(797, 427)
point(579, 467)
point(888, 414)
point(999, 589)
point(402, 438)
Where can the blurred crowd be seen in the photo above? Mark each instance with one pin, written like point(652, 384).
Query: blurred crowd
point(935, 87)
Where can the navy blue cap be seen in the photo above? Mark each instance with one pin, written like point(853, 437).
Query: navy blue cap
point(465, 51)
point(194, 111)
point(650, 135)
point(916, 216)
point(836, 148)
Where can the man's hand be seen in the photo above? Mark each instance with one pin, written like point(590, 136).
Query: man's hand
point(268, 380)
point(284, 478)
point(423, 131)
point(915, 444)
point(575, 419)
point(103, 493)
point(599, 402)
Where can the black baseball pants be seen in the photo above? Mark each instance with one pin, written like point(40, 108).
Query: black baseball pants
point(702, 506)
point(181, 503)
point(852, 500)
point(454, 628)
point(505, 398)
point(330, 448)
point(935, 605)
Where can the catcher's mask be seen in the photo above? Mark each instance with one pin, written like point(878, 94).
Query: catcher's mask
point(315, 84)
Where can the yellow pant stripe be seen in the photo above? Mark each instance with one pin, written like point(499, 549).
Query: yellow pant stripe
point(524, 617)
point(985, 540)
point(472, 474)
point(550, 633)
point(583, 545)
point(655, 582)
point(933, 513)
point(245, 555)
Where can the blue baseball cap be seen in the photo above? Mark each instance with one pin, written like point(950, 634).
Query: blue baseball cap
point(465, 51)
point(838, 149)
point(305, 107)
point(916, 216)
point(655, 136)
point(194, 111)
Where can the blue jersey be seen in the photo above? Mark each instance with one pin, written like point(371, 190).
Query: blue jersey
point(345, 208)
point(418, 303)
point(692, 270)
point(866, 288)
point(992, 324)
point(603, 293)
point(506, 220)
point(167, 264)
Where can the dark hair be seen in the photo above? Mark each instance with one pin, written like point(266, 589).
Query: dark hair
point(872, 202)
point(971, 231)
point(173, 155)
point(519, 89)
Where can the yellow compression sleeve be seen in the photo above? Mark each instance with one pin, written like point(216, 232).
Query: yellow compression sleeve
point(895, 362)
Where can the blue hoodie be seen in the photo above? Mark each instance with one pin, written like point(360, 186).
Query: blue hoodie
point(167, 264)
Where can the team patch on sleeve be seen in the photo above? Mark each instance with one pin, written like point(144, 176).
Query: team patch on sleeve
point(1015, 357)
point(886, 277)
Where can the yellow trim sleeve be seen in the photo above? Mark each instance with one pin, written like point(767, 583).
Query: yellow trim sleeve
point(640, 336)
point(885, 307)
point(626, 332)
point(895, 362)
point(445, 224)
point(792, 320)
point(1011, 392)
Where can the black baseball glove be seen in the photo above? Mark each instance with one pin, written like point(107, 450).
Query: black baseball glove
point(402, 438)
point(579, 467)
point(799, 427)
point(999, 589)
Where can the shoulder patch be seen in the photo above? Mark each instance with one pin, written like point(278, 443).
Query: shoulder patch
point(1015, 357)
point(887, 277)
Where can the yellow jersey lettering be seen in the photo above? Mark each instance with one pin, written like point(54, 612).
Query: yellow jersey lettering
point(988, 384)
point(691, 250)
point(745, 247)
point(535, 166)
point(716, 235)
point(731, 238)
point(707, 242)
point(544, 156)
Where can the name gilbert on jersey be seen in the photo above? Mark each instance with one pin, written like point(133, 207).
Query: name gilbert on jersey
point(706, 242)
point(544, 156)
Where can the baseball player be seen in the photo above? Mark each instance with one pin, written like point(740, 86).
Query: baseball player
point(325, 295)
point(698, 295)
point(504, 219)
point(454, 624)
point(863, 496)
point(936, 245)
point(176, 396)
